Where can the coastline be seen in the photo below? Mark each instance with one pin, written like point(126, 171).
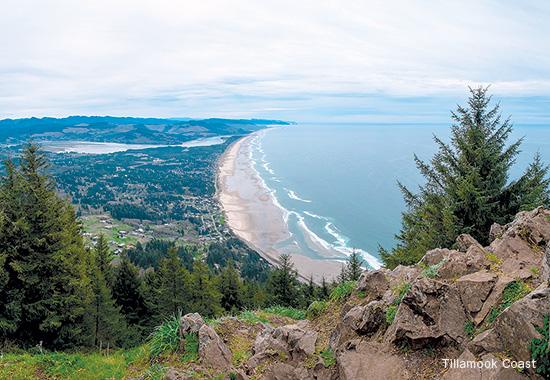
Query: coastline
point(253, 215)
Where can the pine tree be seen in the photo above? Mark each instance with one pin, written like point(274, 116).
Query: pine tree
point(467, 184)
point(47, 288)
point(105, 321)
point(283, 285)
point(128, 294)
point(231, 289)
point(174, 281)
point(103, 259)
point(353, 266)
point(205, 297)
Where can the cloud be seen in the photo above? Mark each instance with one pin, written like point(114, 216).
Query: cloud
point(248, 58)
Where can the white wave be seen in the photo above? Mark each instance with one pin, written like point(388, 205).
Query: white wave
point(293, 195)
point(268, 169)
point(314, 215)
point(314, 237)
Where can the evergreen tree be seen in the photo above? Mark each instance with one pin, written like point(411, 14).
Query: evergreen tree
point(231, 289)
point(353, 266)
point(205, 296)
point(324, 290)
point(283, 285)
point(46, 285)
point(128, 295)
point(254, 296)
point(103, 259)
point(107, 325)
point(467, 184)
point(174, 281)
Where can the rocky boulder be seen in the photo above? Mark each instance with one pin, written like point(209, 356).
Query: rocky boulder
point(212, 350)
point(294, 341)
point(516, 324)
point(455, 263)
point(366, 320)
point(369, 361)
point(492, 300)
point(475, 288)
point(431, 311)
point(189, 324)
point(373, 284)
point(489, 372)
point(545, 265)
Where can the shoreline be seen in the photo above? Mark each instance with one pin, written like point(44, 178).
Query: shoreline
point(252, 212)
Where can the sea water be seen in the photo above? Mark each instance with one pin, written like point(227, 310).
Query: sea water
point(337, 184)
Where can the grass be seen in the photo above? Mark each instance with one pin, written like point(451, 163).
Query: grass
point(190, 348)
point(400, 290)
point(316, 309)
point(342, 291)
point(165, 338)
point(492, 258)
point(75, 366)
point(289, 312)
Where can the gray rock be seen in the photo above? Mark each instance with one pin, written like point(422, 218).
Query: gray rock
point(545, 265)
point(474, 289)
point(429, 312)
point(495, 232)
point(373, 283)
point(516, 325)
point(497, 373)
point(369, 361)
point(464, 242)
point(488, 342)
point(212, 350)
point(283, 371)
point(493, 299)
point(189, 324)
point(366, 320)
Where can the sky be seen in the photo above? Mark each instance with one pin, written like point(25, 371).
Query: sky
point(306, 61)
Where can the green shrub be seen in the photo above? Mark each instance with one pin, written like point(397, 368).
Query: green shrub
point(190, 348)
point(165, 338)
point(282, 311)
point(540, 349)
point(390, 313)
point(513, 292)
point(328, 357)
point(343, 291)
point(316, 309)
point(432, 271)
point(492, 258)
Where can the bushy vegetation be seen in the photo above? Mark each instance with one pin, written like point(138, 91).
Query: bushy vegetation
point(513, 292)
point(467, 185)
point(342, 291)
point(540, 348)
point(400, 290)
point(165, 338)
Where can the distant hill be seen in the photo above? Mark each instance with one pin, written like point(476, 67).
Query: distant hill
point(124, 129)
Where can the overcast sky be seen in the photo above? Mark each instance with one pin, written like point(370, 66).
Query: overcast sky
point(345, 60)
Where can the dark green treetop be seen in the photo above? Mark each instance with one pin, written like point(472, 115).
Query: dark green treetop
point(467, 184)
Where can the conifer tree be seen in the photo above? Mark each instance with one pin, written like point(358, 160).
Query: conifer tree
point(174, 279)
point(205, 297)
point(353, 266)
point(283, 285)
point(231, 288)
point(103, 259)
point(106, 323)
point(45, 262)
point(467, 184)
point(128, 294)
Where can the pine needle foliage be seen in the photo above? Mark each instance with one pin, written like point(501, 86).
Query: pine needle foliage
point(467, 184)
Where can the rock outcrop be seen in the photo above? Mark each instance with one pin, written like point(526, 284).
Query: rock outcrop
point(473, 304)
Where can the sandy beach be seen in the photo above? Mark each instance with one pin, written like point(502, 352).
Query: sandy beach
point(251, 212)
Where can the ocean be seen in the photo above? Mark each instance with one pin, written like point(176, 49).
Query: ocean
point(337, 184)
